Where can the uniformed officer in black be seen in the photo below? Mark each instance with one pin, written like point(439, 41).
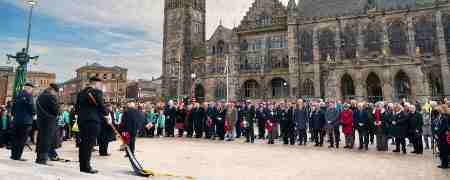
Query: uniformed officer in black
point(90, 109)
point(23, 111)
point(47, 114)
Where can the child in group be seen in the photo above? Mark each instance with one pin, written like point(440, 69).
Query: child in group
point(160, 123)
point(151, 121)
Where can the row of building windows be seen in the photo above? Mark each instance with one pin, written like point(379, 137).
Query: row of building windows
point(279, 88)
point(196, 4)
point(105, 76)
point(274, 42)
point(425, 40)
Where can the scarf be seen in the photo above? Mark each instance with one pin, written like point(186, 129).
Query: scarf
point(378, 117)
point(4, 121)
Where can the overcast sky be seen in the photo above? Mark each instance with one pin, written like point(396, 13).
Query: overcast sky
point(67, 34)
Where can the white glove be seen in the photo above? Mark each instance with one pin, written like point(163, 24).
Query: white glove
point(108, 119)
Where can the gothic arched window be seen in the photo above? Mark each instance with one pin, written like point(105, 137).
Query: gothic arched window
point(398, 38)
point(435, 84)
point(220, 47)
point(221, 90)
point(349, 43)
point(308, 88)
point(425, 35)
point(250, 88)
point(279, 88)
point(347, 87)
point(446, 24)
point(327, 46)
point(373, 38)
point(305, 41)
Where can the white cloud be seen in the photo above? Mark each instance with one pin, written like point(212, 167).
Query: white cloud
point(140, 53)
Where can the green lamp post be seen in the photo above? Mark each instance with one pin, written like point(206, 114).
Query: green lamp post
point(23, 58)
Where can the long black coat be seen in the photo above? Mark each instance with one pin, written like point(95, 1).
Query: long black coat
point(400, 125)
point(415, 123)
point(171, 116)
point(23, 109)
point(317, 120)
point(106, 131)
point(361, 118)
point(290, 121)
point(47, 115)
point(261, 118)
point(198, 118)
point(90, 106)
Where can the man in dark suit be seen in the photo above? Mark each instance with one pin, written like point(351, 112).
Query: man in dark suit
point(47, 114)
point(171, 114)
point(23, 111)
point(400, 128)
point(106, 132)
point(131, 120)
point(90, 109)
point(361, 118)
point(198, 118)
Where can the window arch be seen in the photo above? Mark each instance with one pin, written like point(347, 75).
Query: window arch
point(374, 88)
point(347, 87)
point(221, 90)
point(327, 46)
point(425, 35)
point(308, 88)
point(373, 38)
point(349, 43)
point(280, 88)
point(306, 46)
point(402, 85)
point(446, 23)
point(220, 49)
point(250, 88)
point(435, 83)
point(398, 38)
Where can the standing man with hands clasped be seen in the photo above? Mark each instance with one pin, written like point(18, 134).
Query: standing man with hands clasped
point(90, 109)
point(47, 115)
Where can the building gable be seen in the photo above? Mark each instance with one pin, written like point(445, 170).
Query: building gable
point(264, 14)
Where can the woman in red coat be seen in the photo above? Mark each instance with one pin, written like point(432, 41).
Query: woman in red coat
point(347, 125)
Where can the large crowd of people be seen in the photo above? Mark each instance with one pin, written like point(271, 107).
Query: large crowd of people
point(318, 122)
point(90, 122)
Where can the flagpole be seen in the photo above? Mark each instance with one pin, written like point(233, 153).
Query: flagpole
point(227, 78)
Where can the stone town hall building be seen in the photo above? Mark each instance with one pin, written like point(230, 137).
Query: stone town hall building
point(361, 49)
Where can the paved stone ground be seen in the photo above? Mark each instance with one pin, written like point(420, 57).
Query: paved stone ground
point(214, 160)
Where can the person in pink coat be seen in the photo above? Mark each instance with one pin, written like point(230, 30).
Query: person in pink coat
point(347, 125)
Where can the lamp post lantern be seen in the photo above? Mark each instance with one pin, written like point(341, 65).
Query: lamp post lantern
point(22, 57)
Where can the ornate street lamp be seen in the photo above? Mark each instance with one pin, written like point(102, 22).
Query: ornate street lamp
point(22, 57)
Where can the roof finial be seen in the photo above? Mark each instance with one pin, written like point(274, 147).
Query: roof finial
point(220, 22)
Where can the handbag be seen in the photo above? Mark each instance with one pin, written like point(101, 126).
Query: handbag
point(126, 137)
point(179, 125)
point(75, 127)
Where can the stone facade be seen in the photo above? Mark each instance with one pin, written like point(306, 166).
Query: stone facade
point(114, 80)
point(144, 89)
point(349, 49)
point(39, 79)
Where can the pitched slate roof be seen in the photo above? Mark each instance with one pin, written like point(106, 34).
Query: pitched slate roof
point(221, 33)
point(332, 8)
